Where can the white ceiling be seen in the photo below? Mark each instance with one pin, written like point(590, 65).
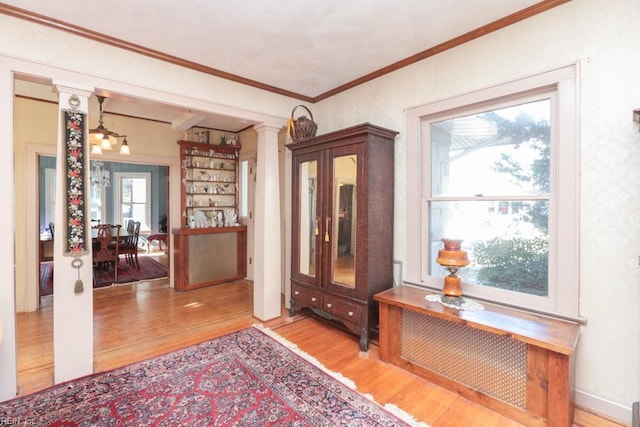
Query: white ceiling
point(303, 47)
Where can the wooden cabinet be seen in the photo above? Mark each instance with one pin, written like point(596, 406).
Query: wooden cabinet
point(342, 231)
point(211, 246)
point(516, 363)
point(206, 257)
point(209, 185)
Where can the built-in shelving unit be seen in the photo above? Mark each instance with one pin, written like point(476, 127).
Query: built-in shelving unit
point(211, 245)
point(209, 185)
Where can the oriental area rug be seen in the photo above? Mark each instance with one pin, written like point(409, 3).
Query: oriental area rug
point(246, 378)
point(149, 269)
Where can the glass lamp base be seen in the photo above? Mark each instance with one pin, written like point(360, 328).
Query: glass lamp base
point(452, 286)
point(449, 300)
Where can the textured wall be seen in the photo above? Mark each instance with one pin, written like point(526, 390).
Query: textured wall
point(602, 37)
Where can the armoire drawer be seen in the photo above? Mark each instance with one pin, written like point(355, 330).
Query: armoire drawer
point(306, 296)
point(342, 309)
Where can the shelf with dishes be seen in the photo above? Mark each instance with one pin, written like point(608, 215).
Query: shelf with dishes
point(209, 196)
point(212, 217)
point(217, 188)
point(208, 163)
point(209, 185)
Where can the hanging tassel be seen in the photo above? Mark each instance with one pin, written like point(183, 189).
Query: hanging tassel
point(79, 286)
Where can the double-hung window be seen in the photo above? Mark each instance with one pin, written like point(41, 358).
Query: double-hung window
point(498, 169)
point(133, 198)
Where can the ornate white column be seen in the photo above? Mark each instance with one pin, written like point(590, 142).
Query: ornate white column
point(8, 371)
point(267, 273)
point(73, 304)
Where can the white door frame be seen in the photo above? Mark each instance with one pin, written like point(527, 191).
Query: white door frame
point(249, 219)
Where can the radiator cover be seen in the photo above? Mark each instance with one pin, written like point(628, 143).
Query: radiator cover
point(495, 365)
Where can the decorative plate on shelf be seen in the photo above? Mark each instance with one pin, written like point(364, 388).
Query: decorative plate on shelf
point(199, 217)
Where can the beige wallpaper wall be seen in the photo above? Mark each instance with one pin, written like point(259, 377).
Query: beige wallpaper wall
point(600, 35)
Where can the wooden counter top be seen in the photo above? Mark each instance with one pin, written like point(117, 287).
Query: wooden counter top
point(545, 332)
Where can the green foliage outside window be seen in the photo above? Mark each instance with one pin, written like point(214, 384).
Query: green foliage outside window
point(514, 264)
point(520, 264)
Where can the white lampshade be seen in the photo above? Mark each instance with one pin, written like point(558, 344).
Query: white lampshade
point(106, 144)
point(124, 148)
point(96, 149)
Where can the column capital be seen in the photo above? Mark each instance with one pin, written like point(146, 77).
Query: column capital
point(75, 88)
point(67, 90)
point(266, 127)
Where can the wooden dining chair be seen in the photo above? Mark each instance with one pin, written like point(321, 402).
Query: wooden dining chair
point(107, 247)
point(130, 247)
point(131, 224)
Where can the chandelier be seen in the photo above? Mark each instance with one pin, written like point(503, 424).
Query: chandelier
point(98, 175)
point(105, 135)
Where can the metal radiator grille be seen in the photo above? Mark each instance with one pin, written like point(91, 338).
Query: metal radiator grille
point(493, 364)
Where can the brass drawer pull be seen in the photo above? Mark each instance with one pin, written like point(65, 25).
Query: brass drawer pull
point(329, 305)
point(296, 293)
point(350, 314)
point(313, 299)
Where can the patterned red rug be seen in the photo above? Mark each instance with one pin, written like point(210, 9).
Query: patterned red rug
point(246, 378)
point(149, 269)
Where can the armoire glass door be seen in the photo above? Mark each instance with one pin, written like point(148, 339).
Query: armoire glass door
point(308, 217)
point(344, 216)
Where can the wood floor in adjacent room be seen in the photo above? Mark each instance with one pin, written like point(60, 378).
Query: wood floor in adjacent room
point(138, 321)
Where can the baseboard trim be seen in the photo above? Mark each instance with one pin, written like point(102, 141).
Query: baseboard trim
point(604, 407)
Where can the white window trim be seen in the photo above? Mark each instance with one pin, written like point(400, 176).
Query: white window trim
point(563, 299)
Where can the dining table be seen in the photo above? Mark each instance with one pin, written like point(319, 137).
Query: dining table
point(124, 234)
point(46, 242)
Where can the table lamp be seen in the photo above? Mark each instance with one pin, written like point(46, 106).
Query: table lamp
point(452, 258)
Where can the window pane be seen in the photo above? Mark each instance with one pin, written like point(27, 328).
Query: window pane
point(139, 212)
point(499, 152)
point(138, 190)
point(126, 191)
point(95, 202)
point(126, 214)
point(134, 198)
point(507, 242)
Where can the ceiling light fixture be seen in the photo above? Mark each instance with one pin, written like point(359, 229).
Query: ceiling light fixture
point(104, 135)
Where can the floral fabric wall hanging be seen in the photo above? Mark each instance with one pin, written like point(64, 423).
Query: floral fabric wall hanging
point(75, 241)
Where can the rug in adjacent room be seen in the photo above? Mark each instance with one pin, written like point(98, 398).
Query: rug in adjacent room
point(246, 378)
point(149, 269)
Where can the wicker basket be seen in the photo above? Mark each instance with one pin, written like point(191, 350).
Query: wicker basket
point(302, 128)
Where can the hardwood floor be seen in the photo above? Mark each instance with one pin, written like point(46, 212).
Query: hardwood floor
point(135, 322)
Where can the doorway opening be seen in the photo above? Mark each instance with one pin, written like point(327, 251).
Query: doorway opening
point(120, 192)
